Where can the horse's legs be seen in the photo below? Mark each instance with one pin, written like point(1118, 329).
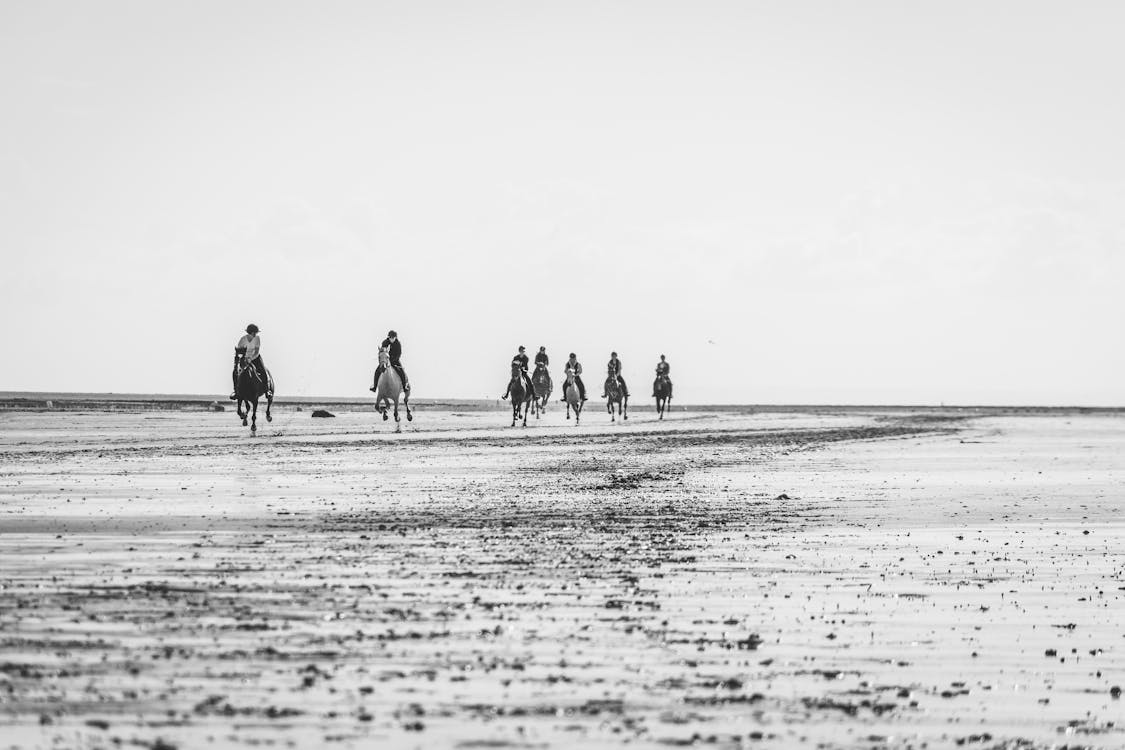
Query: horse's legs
point(625, 408)
point(269, 405)
point(406, 403)
point(254, 418)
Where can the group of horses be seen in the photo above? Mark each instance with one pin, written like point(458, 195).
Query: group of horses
point(534, 400)
point(249, 388)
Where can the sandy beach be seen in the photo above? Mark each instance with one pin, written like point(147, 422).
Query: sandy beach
point(808, 578)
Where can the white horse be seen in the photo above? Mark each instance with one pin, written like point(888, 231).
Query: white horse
point(573, 397)
point(388, 390)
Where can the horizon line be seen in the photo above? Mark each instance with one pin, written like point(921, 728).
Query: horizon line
point(222, 398)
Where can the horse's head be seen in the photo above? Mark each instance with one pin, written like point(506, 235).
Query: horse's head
point(384, 358)
point(515, 370)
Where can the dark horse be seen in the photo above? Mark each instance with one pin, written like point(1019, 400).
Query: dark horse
point(249, 389)
point(522, 396)
point(615, 394)
point(541, 381)
point(663, 394)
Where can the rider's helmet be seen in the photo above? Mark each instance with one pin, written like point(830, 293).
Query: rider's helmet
point(613, 354)
point(542, 348)
point(251, 329)
point(573, 355)
point(392, 335)
point(521, 349)
point(662, 356)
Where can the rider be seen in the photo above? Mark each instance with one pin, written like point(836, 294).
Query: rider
point(662, 370)
point(250, 347)
point(573, 366)
point(394, 350)
point(521, 360)
point(613, 368)
point(541, 358)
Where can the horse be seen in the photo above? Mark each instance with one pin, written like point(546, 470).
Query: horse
point(573, 398)
point(615, 394)
point(388, 389)
point(522, 397)
point(248, 389)
point(663, 394)
point(541, 382)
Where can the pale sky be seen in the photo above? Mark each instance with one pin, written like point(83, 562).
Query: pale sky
point(797, 202)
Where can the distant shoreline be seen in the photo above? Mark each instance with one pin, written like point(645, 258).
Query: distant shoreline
point(51, 401)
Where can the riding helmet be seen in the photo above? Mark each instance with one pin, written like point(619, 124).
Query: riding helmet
point(251, 329)
point(392, 335)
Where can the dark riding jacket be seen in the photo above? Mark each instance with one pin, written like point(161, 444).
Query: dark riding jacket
point(542, 359)
point(613, 367)
point(394, 349)
point(521, 360)
point(663, 368)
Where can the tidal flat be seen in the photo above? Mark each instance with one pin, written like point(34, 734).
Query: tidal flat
point(809, 578)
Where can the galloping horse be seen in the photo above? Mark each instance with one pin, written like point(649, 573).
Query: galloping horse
point(573, 397)
point(522, 396)
point(541, 381)
point(388, 389)
point(248, 389)
point(615, 394)
point(663, 394)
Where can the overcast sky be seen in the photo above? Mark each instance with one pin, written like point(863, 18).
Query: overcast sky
point(821, 202)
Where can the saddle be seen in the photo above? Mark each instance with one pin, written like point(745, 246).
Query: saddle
point(264, 385)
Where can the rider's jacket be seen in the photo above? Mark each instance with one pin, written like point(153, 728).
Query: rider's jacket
point(572, 365)
point(252, 344)
point(520, 359)
point(541, 359)
point(613, 367)
point(394, 349)
point(663, 368)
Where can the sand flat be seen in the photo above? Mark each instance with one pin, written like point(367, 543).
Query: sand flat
point(805, 579)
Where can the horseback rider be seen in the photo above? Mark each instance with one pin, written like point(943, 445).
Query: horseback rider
point(541, 358)
point(613, 368)
point(521, 360)
point(662, 370)
point(573, 366)
point(249, 347)
point(394, 351)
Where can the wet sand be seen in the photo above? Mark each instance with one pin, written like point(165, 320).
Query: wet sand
point(818, 579)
